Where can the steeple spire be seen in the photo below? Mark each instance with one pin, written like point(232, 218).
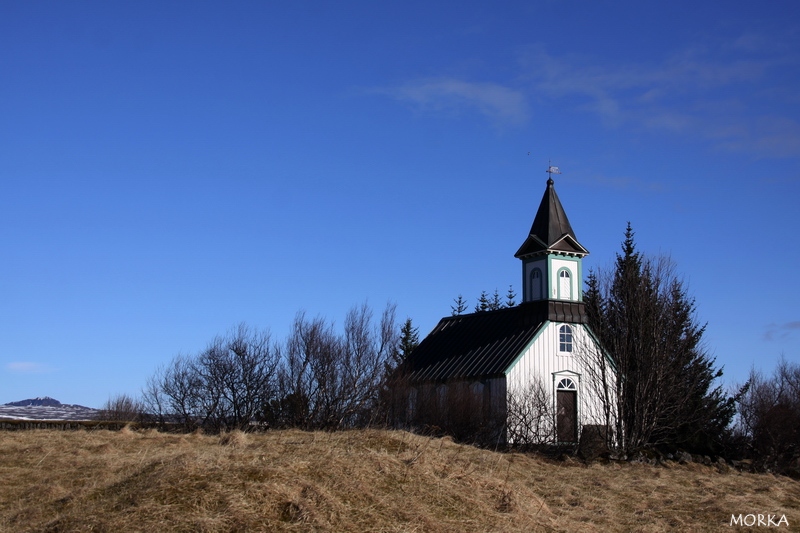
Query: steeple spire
point(551, 222)
point(551, 254)
point(551, 229)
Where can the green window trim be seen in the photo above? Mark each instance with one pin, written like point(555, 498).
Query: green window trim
point(564, 272)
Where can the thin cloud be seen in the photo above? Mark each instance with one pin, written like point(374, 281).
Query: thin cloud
point(27, 367)
point(696, 92)
point(682, 74)
point(781, 331)
point(779, 136)
point(500, 104)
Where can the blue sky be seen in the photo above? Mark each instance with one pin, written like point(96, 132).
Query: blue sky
point(170, 169)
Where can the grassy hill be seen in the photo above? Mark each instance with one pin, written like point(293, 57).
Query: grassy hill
point(354, 481)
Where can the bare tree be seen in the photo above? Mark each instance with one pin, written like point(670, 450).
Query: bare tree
point(225, 386)
point(122, 408)
point(238, 377)
point(154, 401)
point(769, 418)
point(600, 379)
point(330, 380)
point(308, 353)
point(317, 379)
point(176, 391)
point(530, 415)
point(368, 348)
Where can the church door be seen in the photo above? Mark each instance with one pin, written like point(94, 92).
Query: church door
point(567, 416)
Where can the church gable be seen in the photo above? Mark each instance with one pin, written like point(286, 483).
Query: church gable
point(559, 363)
point(568, 245)
point(533, 245)
point(560, 349)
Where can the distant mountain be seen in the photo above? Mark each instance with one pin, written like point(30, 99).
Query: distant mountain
point(42, 401)
point(45, 408)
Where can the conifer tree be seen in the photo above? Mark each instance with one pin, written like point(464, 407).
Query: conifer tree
point(409, 338)
point(496, 302)
point(459, 306)
point(646, 321)
point(511, 297)
point(483, 303)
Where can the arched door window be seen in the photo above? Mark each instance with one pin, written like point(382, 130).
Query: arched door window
point(536, 284)
point(565, 339)
point(566, 384)
point(564, 285)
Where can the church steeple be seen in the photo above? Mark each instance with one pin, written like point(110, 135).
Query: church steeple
point(551, 254)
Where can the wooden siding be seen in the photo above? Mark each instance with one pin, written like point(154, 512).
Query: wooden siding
point(471, 410)
point(541, 360)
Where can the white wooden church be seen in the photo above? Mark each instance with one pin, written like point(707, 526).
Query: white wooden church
point(531, 372)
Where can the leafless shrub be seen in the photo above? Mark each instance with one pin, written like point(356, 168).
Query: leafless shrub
point(122, 408)
point(226, 386)
point(175, 394)
point(238, 376)
point(530, 415)
point(319, 379)
point(330, 381)
point(769, 418)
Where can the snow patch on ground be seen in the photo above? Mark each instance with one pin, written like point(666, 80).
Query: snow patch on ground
point(15, 411)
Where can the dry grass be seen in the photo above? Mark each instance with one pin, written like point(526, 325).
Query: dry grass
point(352, 481)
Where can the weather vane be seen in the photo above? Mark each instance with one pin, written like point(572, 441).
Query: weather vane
point(552, 170)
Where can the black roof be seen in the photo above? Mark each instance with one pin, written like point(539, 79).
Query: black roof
point(551, 230)
point(484, 344)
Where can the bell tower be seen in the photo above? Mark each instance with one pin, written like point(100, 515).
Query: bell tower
point(551, 254)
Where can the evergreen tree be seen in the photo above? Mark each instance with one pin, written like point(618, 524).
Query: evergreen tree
point(409, 338)
point(460, 305)
point(495, 303)
point(511, 297)
point(646, 321)
point(483, 303)
point(407, 342)
point(392, 396)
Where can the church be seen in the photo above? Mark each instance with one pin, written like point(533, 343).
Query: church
point(527, 374)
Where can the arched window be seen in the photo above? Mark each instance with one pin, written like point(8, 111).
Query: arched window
point(564, 285)
point(565, 339)
point(536, 284)
point(566, 384)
